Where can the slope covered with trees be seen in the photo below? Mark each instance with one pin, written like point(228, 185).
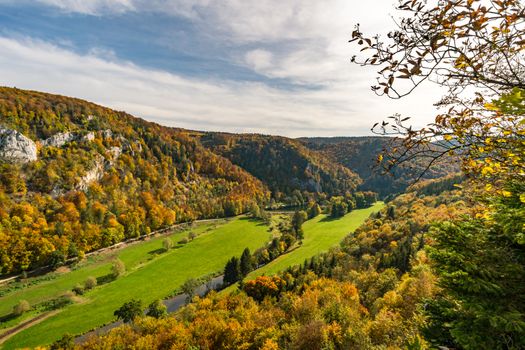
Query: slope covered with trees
point(361, 153)
point(102, 176)
point(285, 165)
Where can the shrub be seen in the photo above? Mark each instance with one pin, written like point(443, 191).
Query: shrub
point(157, 309)
point(21, 307)
point(90, 283)
point(183, 241)
point(167, 244)
point(129, 311)
point(118, 268)
point(78, 289)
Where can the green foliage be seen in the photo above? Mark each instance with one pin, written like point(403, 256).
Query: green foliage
point(232, 271)
point(481, 266)
point(90, 283)
point(129, 311)
point(313, 210)
point(167, 244)
point(298, 219)
point(338, 207)
point(21, 307)
point(118, 268)
point(67, 342)
point(246, 264)
point(157, 309)
point(189, 287)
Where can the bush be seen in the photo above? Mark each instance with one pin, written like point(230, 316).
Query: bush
point(65, 343)
point(183, 241)
point(118, 268)
point(90, 283)
point(78, 289)
point(129, 311)
point(167, 244)
point(21, 307)
point(157, 309)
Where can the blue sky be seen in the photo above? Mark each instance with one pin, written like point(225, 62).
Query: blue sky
point(274, 67)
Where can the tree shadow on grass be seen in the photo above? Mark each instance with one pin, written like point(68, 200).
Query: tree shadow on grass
point(258, 222)
point(105, 279)
point(329, 219)
point(8, 317)
point(157, 251)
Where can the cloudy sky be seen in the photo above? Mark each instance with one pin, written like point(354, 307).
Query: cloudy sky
point(267, 66)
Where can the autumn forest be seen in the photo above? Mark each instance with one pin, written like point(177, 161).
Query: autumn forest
point(121, 233)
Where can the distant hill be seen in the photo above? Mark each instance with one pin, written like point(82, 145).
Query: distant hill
point(360, 154)
point(285, 165)
point(75, 176)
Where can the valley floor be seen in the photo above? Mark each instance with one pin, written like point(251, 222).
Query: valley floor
point(151, 275)
point(154, 274)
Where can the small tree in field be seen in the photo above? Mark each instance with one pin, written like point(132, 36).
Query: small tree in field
point(118, 268)
point(90, 283)
point(129, 311)
point(167, 244)
point(21, 307)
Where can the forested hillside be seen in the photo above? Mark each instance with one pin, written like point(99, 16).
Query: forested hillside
point(284, 164)
point(361, 153)
point(75, 177)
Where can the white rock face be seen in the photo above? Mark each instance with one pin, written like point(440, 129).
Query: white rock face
point(115, 152)
point(90, 136)
point(59, 140)
point(16, 148)
point(95, 174)
point(107, 134)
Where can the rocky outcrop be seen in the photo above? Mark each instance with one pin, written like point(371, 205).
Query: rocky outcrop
point(90, 136)
point(59, 140)
point(16, 148)
point(94, 174)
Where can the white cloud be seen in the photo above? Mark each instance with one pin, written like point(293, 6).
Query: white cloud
point(92, 7)
point(259, 60)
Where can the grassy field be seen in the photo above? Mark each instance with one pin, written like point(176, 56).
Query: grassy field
point(320, 234)
point(150, 276)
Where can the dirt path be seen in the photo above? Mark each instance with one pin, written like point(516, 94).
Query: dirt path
point(29, 323)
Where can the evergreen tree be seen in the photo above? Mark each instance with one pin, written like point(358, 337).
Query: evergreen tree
point(246, 265)
point(232, 271)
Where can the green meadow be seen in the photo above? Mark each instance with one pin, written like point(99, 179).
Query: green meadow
point(320, 234)
point(151, 274)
